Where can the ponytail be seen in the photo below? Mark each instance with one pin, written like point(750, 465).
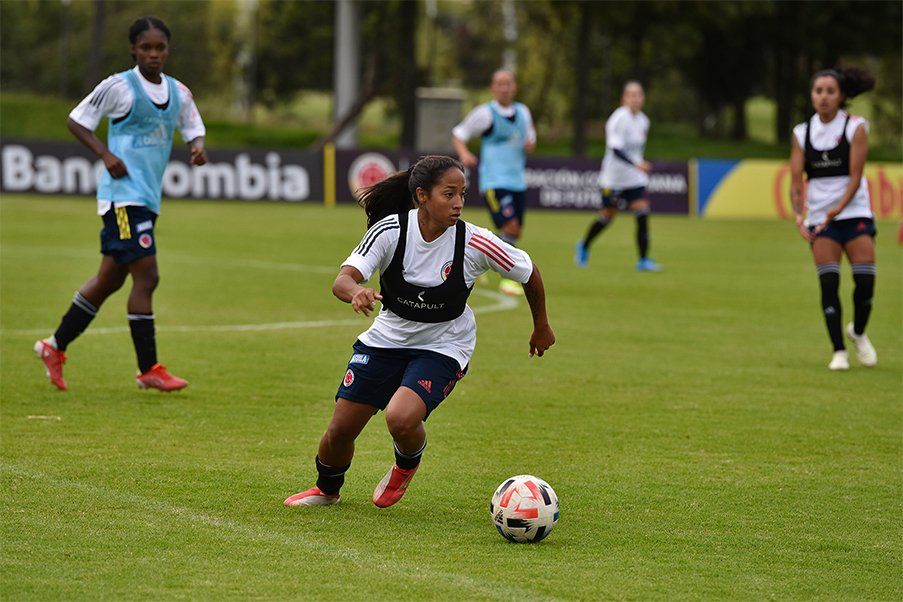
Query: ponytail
point(853, 81)
point(397, 193)
point(387, 197)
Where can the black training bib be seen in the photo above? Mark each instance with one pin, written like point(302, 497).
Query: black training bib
point(441, 303)
point(828, 163)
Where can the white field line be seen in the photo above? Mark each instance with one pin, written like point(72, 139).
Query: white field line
point(364, 561)
point(501, 303)
point(176, 258)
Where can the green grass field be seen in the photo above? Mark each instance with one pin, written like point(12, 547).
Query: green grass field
point(698, 444)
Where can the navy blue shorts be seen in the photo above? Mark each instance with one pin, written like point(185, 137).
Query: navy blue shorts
point(128, 233)
point(621, 199)
point(843, 231)
point(505, 205)
point(374, 374)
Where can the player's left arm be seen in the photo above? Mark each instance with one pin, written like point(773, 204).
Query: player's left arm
point(859, 150)
point(543, 337)
point(530, 143)
point(191, 126)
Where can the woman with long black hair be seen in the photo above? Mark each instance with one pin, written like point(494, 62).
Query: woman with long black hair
point(420, 344)
point(831, 148)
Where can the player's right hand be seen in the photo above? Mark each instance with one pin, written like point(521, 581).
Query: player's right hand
point(114, 165)
point(804, 231)
point(469, 160)
point(364, 301)
point(645, 166)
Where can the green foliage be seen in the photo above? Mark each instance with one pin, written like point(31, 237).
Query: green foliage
point(295, 48)
point(687, 421)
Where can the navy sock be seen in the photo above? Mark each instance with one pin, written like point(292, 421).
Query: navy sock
point(144, 339)
point(829, 278)
point(330, 478)
point(408, 461)
point(864, 277)
point(76, 320)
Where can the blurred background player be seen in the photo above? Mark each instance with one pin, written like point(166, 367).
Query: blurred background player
point(624, 175)
point(144, 107)
point(421, 342)
point(831, 148)
point(507, 132)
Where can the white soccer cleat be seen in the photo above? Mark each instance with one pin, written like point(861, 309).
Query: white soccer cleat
point(840, 361)
point(865, 351)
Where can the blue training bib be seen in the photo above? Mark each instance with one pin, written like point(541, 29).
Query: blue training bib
point(143, 141)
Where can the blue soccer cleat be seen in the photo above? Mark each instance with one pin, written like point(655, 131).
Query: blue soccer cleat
point(648, 265)
point(581, 255)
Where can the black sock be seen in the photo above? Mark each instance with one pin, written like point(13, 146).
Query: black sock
point(408, 461)
point(595, 229)
point(829, 278)
point(330, 478)
point(642, 234)
point(80, 314)
point(864, 277)
point(144, 338)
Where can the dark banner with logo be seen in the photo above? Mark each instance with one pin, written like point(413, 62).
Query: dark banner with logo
point(552, 183)
point(244, 174)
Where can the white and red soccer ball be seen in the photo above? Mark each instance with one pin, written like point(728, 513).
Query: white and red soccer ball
point(524, 509)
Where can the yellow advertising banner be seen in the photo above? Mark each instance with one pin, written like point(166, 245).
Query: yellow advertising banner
point(760, 188)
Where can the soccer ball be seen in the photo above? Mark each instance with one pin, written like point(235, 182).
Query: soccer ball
point(524, 509)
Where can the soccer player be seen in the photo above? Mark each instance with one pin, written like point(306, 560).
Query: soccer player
point(420, 344)
point(624, 176)
point(507, 132)
point(144, 107)
point(831, 148)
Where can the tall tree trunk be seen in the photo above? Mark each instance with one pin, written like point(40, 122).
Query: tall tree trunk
point(95, 55)
point(785, 73)
point(408, 74)
point(739, 129)
point(582, 74)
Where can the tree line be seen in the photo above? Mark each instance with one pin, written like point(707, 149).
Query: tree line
point(701, 61)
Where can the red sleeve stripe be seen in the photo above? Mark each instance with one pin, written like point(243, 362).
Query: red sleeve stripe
point(492, 245)
point(480, 246)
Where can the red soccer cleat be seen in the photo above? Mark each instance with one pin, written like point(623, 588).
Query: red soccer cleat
point(53, 360)
point(311, 497)
point(159, 378)
point(393, 486)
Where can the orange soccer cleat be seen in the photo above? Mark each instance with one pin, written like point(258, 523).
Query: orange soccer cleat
point(53, 360)
point(393, 486)
point(159, 378)
point(312, 497)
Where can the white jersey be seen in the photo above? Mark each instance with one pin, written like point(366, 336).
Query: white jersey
point(627, 132)
point(480, 119)
point(824, 193)
point(427, 264)
point(113, 98)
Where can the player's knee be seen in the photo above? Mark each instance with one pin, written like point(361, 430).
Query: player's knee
point(148, 280)
point(641, 208)
point(402, 422)
point(339, 433)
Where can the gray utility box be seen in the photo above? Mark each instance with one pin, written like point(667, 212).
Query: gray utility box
point(438, 111)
